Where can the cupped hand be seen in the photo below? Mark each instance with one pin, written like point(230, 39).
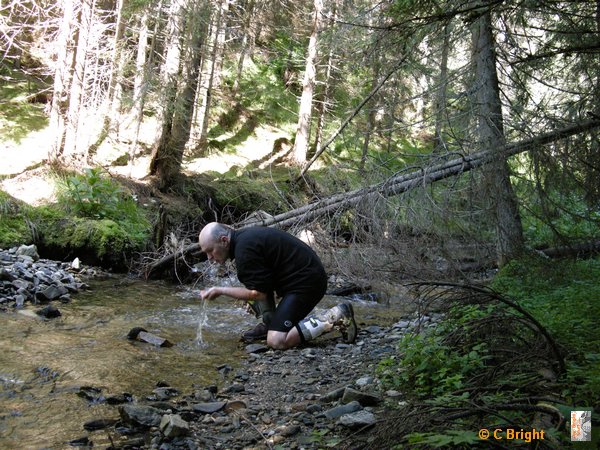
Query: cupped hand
point(210, 293)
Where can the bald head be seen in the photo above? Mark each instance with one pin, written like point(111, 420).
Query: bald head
point(214, 241)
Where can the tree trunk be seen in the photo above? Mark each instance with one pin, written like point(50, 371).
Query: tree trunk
point(440, 102)
point(305, 112)
point(247, 44)
point(208, 79)
point(509, 233)
point(161, 161)
point(325, 90)
point(63, 75)
point(71, 152)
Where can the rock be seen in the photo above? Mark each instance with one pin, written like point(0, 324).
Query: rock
point(153, 339)
point(341, 410)
point(208, 408)
point(164, 393)
point(90, 393)
point(143, 415)
point(5, 275)
point(288, 430)
point(402, 324)
point(172, 425)
point(99, 424)
point(51, 293)
point(49, 312)
point(358, 419)
point(235, 405)
point(364, 381)
point(81, 442)
point(332, 396)
point(119, 399)
point(365, 399)
point(133, 333)
point(28, 250)
point(76, 264)
point(256, 348)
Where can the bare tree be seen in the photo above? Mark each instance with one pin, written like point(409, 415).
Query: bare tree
point(305, 112)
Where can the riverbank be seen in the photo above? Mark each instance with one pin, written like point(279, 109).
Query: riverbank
point(323, 395)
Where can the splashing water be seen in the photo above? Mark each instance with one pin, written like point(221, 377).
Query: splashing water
point(201, 322)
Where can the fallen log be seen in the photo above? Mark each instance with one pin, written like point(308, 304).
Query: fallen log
point(396, 185)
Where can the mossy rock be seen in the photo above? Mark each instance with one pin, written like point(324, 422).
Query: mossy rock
point(101, 242)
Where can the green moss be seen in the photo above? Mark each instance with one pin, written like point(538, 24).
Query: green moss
point(13, 222)
point(105, 238)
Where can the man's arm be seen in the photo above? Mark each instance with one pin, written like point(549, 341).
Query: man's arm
point(241, 293)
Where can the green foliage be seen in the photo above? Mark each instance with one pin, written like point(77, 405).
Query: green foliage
point(563, 295)
point(107, 208)
point(454, 438)
point(428, 366)
point(13, 222)
point(561, 216)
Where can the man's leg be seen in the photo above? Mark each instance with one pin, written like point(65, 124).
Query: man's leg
point(262, 309)
point(340, 317)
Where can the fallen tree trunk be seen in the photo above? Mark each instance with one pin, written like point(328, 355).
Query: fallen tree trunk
point(397, 184)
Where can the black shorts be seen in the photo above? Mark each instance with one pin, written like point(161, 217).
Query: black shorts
point(293, 308)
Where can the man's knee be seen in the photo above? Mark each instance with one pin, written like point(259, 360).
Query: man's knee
point(277, 340)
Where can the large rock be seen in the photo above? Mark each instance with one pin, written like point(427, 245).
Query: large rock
point(172, 425)
point(49, 312)
point(341, 410)
point(144, 415)
point(51, 293)
point(365, 399)
point(358, 419)
point(28, 250)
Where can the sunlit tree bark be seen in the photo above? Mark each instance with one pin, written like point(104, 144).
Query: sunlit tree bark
point(305, 112)
point(63, 74)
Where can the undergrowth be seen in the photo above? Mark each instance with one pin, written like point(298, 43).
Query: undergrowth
point(488, 365)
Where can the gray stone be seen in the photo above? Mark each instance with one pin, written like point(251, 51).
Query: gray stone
point(334, 395)
point(172, 425)
point(357, 419)
point(51, 293)
point(5, 275)
point(402, 324)
point(364, 381)
point(147, 416)
point(256, 348)
point(208, 408)
point(341, 410)
point(28, 250)
point(365, 399)
point(153, 339)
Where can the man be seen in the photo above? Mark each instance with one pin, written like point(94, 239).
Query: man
point(272, 261)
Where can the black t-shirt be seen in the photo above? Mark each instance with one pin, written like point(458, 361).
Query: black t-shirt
point(268, 259)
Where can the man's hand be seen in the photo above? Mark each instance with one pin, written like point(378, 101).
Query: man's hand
point(210, 293)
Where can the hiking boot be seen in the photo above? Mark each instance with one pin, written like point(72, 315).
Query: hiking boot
point(345, 322)
point(258, 333)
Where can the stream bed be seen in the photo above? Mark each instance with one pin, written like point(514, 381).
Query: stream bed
point(44, 363)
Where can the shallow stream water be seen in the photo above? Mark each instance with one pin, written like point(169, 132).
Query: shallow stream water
point(44, 363)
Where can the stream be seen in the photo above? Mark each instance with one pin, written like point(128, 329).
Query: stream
point(44, 363)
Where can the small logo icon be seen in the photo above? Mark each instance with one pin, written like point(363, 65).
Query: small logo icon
point(581, 426)
point(287, 323)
